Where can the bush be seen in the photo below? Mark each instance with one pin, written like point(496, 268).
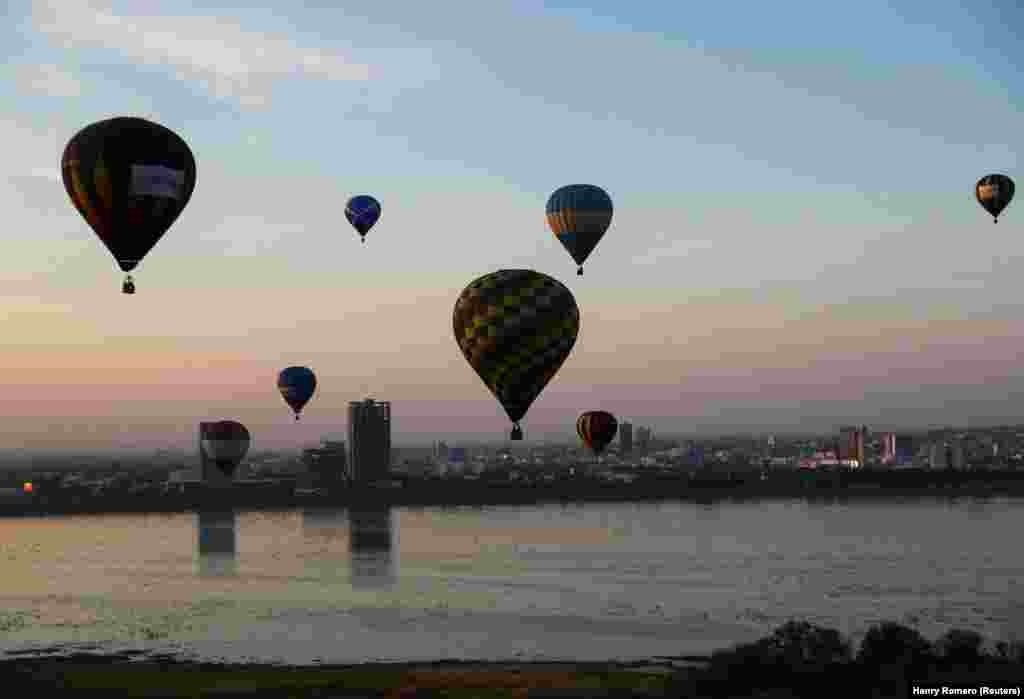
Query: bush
point(961, 647)
point(1012, 651)
point(890, 643)
point(803, 643)
point(805, 660)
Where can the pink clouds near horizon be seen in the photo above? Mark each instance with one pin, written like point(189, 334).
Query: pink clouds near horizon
point(673, 361)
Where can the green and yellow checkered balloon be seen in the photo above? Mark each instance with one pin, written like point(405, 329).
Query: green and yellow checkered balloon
point(516, 328)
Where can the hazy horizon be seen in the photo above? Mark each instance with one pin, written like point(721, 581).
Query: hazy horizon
point(795, 244)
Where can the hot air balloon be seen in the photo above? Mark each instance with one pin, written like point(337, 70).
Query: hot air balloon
point(994, 193)
point(362, 211)
point(296, 384)
point(579, 216)
point(225, 443)
point(597, 429)
point(130, 179)
point(516, 327)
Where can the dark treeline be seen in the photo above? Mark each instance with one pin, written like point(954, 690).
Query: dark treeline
point(497, 489)
point(804, 660)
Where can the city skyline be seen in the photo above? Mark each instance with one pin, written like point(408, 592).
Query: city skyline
point(820, 264)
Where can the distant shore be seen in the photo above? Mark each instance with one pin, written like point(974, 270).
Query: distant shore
point(436, 493)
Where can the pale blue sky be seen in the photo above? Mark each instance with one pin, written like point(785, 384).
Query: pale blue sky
point(789, 153)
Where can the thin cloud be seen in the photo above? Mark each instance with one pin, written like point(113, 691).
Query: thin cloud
point(30, 150)
point(216, 54)
point(48, 79)
point(678, 248)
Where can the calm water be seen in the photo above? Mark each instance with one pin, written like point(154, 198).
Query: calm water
point(582, 582)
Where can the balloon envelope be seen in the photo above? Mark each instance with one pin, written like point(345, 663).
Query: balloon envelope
point(597, 429)
point(516, 328)
point(130, 179)
point(362, 211)
point(225, 443)
point(579, 216)
point(994, 193)
point(296, 384)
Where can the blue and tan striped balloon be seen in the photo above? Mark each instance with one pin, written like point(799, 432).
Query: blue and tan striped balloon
point(994, 193)
point(579, 216)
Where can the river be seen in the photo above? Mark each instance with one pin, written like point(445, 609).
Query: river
point(574, 582)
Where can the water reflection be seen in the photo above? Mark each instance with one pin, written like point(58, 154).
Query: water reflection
point(324, 522)
point(370, 547)
point(370, 544)
point(216, 543)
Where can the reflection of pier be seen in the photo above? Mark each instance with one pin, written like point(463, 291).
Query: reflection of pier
point(216, 543)
point(370, 547)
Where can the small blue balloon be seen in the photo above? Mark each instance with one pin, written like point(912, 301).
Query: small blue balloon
point(362, 211)
point(296, 384)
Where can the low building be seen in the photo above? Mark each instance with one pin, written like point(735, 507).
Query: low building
point(326, 464)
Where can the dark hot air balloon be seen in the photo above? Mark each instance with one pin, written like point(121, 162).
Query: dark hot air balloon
point(516, 327)
point(579, 216)
point(362, 211)
point(225, 443)
point(130, 179)
point(296, 384)
point(597, 429)
point(994, 193)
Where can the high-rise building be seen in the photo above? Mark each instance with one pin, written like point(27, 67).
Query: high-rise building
point(851, 444)
point(888, 448)
point(643, 439)
point(956, 454)
point(326, 463)
point(369, 440)
point(625, 438)
point(441, 453)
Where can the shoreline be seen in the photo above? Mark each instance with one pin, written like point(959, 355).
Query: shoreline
point(797, 659)
point(138, 673)
point(56, 654)
point(498, 496)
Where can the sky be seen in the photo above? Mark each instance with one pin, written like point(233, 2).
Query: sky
point(795, 243)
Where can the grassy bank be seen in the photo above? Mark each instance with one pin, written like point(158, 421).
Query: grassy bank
point(122, 676)
point(797, 660)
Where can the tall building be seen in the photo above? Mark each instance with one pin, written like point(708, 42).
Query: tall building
point(851, 444)
point(326, 463)
point(625, 438)
point(889, 448)
point(956, 454)
point(369, 440)
point(643, 439)
point(441, 453)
